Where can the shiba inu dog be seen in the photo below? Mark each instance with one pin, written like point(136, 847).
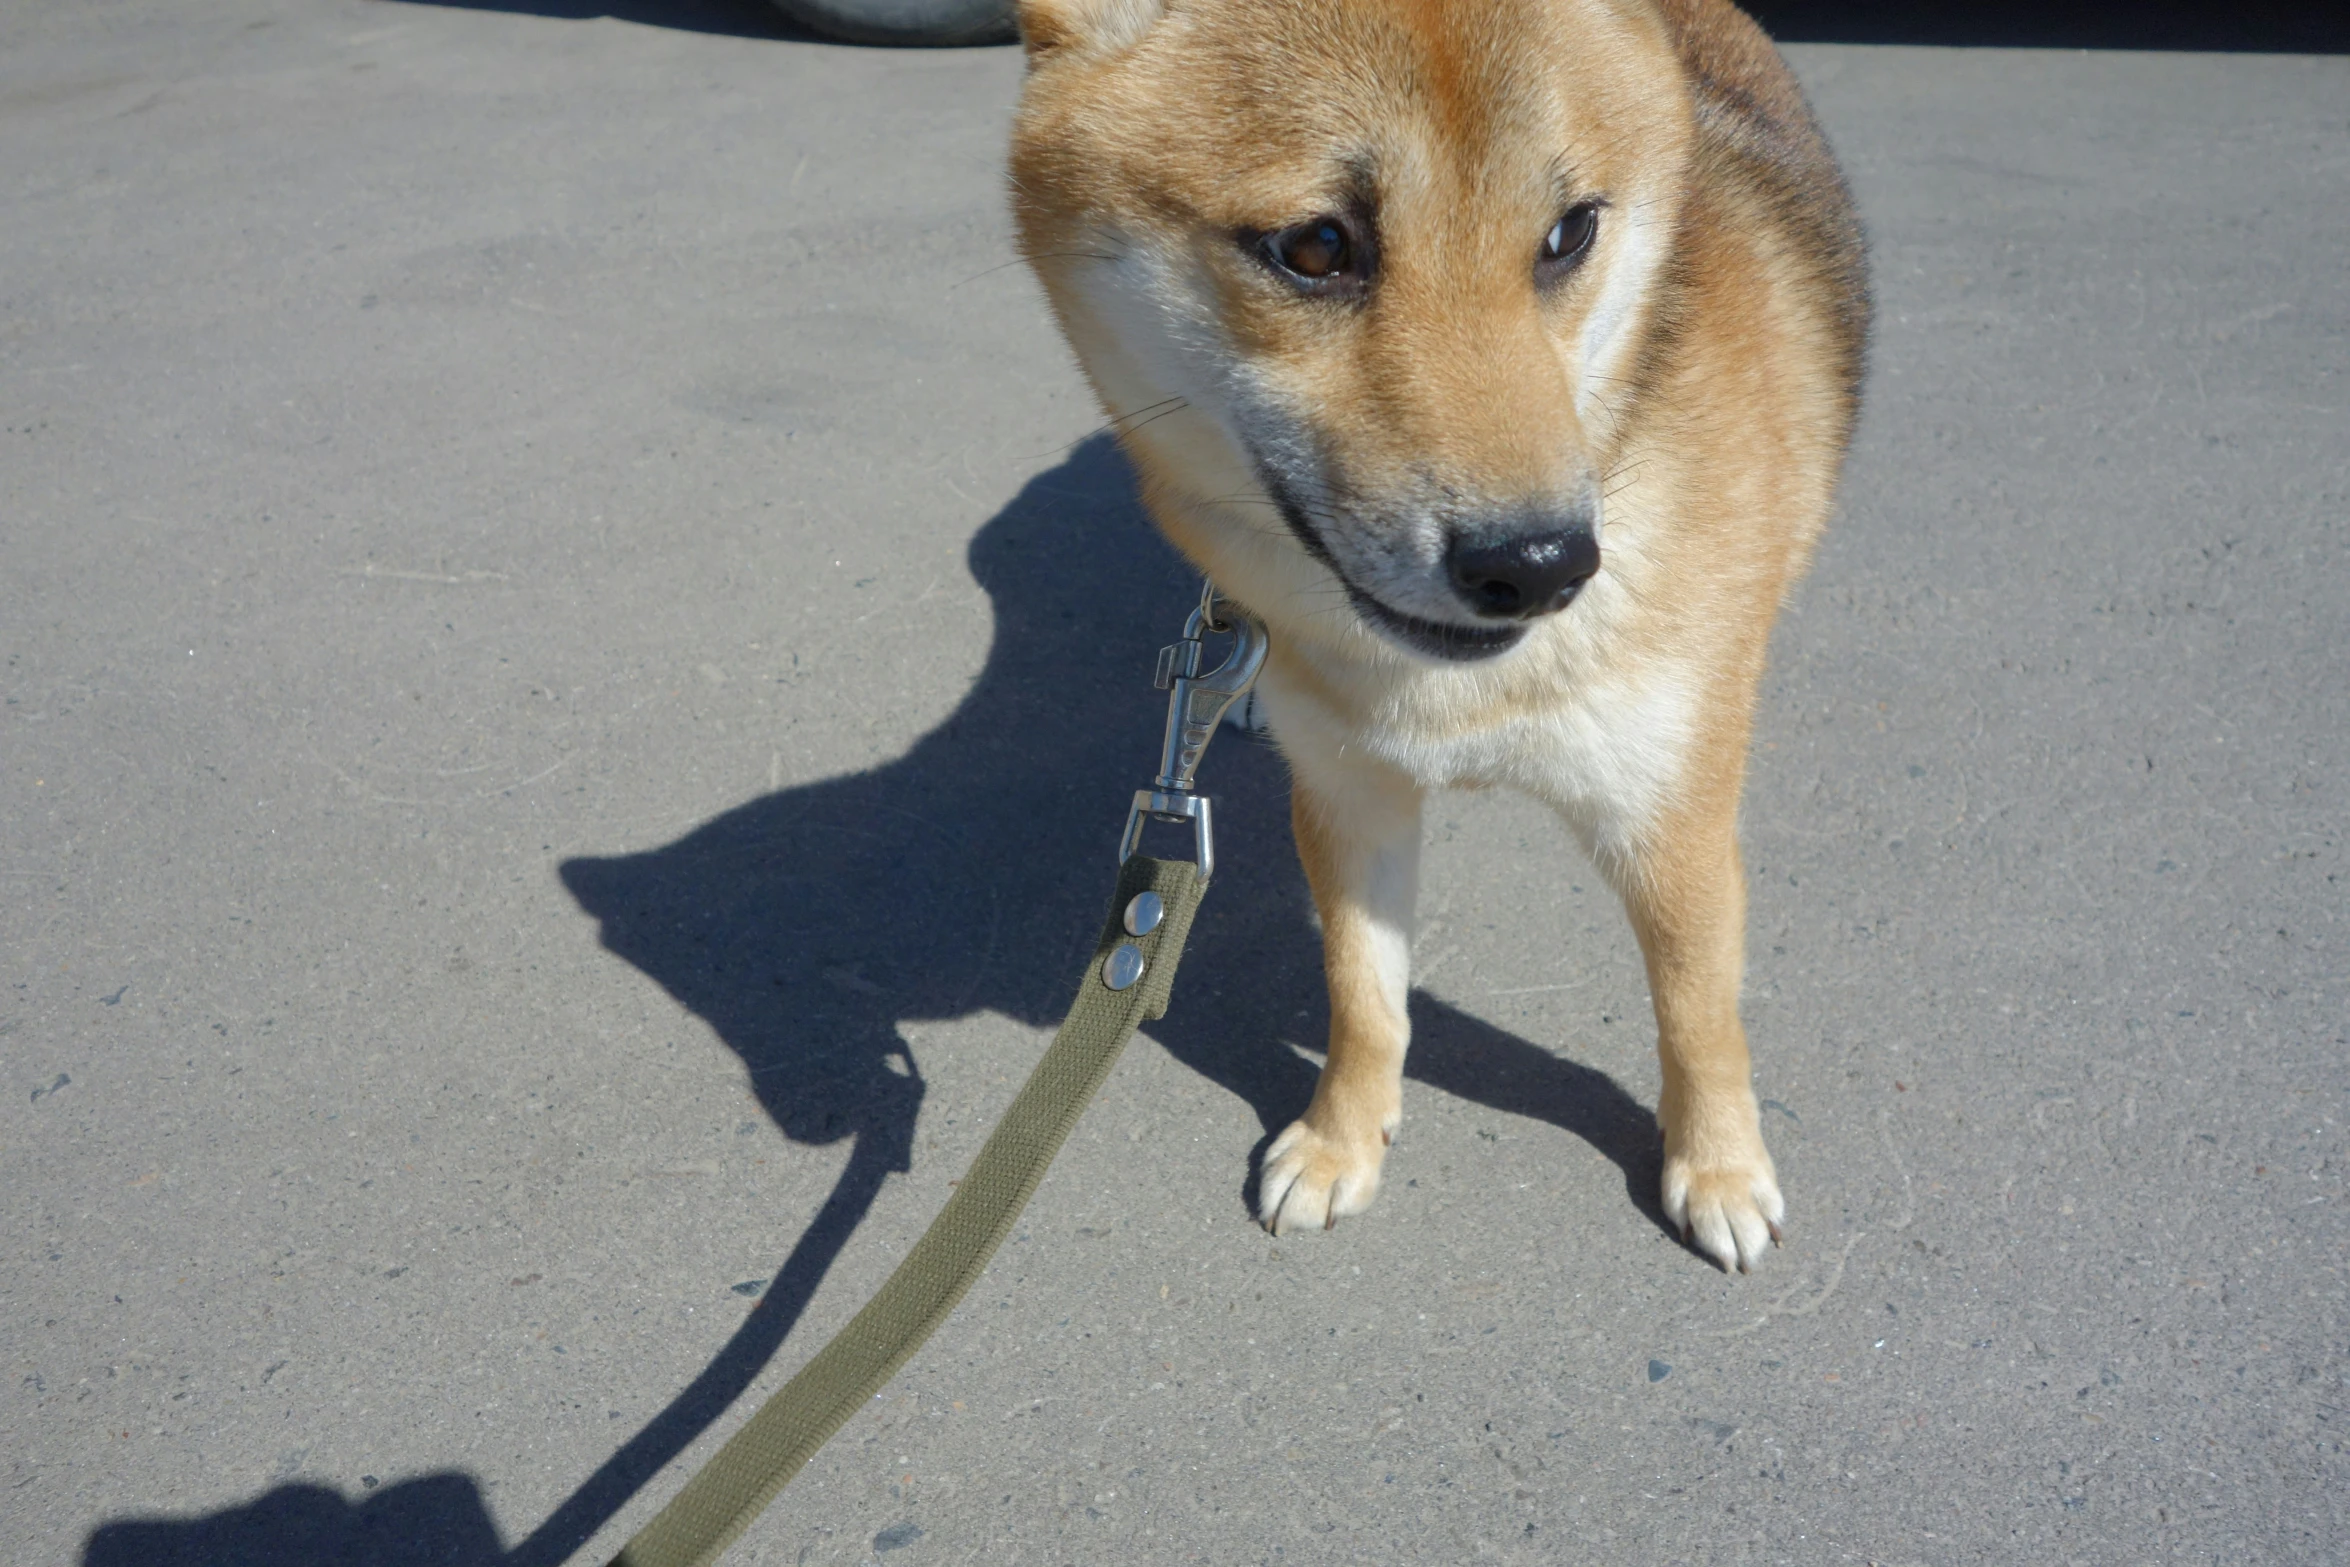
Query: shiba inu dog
point(1501, 356)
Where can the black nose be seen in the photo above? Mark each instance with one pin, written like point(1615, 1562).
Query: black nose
point(1520, 576)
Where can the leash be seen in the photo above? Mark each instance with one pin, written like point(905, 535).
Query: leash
point(1128, 981)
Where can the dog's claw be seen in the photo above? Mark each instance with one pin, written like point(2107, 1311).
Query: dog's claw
point(1726, 1203)
point(1778, 1236)
point(1306, 1171)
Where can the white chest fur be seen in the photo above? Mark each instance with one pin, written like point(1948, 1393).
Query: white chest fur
point(1604, 747)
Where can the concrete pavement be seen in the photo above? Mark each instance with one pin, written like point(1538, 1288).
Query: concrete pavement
point(573, 663)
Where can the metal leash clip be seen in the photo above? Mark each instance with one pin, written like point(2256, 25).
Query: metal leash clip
point(1196, 704)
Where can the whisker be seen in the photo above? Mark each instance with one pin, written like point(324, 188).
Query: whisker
point(1027, 258)
point(1165, 403)
point(1116, 423)
point(1181, 403)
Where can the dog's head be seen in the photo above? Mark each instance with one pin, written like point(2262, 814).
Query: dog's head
point(1363, 283)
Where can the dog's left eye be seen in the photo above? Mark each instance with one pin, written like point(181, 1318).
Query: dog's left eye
point(1320, 255)
point(1569, 239)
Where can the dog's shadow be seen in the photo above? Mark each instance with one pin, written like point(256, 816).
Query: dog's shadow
point(967, 875)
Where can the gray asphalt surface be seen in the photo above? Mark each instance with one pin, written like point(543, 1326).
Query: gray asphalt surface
point(572, 669)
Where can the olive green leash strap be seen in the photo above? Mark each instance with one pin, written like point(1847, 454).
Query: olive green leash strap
point(757, 1461)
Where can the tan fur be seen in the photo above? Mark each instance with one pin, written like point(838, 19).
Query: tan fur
point(1700, 368)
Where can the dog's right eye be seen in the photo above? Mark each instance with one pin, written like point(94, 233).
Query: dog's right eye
point(1319, 254)
point(1569, 240)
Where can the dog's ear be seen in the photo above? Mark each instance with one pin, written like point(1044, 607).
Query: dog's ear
point(1052, 26)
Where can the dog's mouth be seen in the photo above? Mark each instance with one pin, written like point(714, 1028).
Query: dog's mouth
point(1448, 641)
point(1434, 638)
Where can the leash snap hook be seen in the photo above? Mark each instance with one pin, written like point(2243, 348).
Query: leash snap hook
point(1196, 704)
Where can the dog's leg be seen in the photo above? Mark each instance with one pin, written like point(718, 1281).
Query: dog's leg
point(1358, 833)
point(1686, 893)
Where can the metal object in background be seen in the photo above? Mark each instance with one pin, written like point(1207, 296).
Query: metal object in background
point(934, 23)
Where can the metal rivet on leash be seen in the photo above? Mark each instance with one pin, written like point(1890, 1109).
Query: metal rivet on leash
point(1124, 964)
point(1143, 914)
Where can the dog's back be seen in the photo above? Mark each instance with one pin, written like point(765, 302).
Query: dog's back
point(1760, 136)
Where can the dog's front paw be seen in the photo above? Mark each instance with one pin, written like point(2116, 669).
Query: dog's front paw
point(1313, 1177)
point(1725, 1197)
